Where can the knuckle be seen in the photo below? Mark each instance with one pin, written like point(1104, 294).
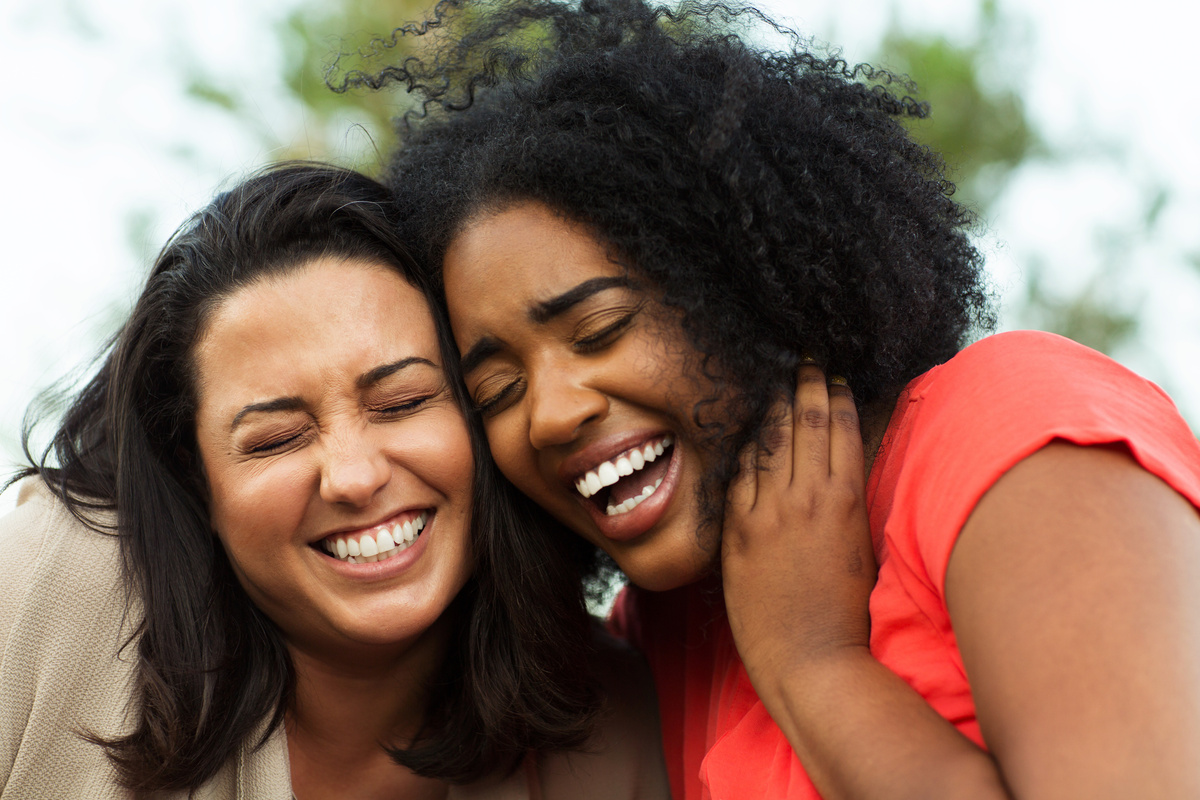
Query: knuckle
point(845, 420)
point(774, 439)
point(814, 418)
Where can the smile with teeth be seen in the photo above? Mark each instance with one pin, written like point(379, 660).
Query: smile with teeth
point(375, 544)
point(610, 472)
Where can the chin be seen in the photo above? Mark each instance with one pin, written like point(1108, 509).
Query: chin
point(662, 572)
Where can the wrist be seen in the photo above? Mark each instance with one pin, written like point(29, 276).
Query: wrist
point(811, 678)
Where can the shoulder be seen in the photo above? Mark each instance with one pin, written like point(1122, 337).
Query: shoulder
point(960, 427)
point(49, 558)
point(1007, 396)
point(62, 628)
point(1041, 375)
point(624, 757)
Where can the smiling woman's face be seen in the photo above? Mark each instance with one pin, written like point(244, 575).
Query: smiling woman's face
point(338, 464)
point(584, 385)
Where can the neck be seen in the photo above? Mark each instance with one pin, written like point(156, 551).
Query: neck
point(348, 706)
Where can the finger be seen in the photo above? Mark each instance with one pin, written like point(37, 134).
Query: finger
point(845, 435)
point(811, 412)
point(743, 489)
point(774, 456)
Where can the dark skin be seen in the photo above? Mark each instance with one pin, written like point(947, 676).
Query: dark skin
point(1072, 591)
point(570, 363)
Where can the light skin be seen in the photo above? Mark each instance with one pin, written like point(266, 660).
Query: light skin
point(323, 411)
point(1086, 679)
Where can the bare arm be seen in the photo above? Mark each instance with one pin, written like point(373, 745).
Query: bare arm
point(1053, 711)
point(1075, 595)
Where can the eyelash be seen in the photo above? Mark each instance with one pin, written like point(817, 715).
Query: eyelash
point(491, 404)
point(278, 444)
point(400, 408)
point(595, 341)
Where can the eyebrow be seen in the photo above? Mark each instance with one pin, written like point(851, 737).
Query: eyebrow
point(374, 376)
point(547, 310)
point(278, 404)
point(367, 379)
point(484, 349)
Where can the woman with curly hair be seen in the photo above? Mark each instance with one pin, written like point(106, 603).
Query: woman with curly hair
point(266, 555)
point(657, 238)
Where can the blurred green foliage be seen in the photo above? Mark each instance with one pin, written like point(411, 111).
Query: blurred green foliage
point(979, 125)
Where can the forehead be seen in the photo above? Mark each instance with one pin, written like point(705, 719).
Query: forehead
point(329, 318)
point(517, 257)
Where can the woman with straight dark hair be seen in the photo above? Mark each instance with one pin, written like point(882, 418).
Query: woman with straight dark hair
point(267, 556)
point(657, 235)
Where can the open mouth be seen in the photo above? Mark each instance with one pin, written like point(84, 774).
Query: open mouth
point(378, 543)
point(622, 483)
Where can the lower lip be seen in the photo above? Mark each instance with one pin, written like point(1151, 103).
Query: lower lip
point(632, 524)
point(382, 570)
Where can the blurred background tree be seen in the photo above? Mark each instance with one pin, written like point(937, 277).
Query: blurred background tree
point(978, 123)
point(311, 38)
point(980, 126)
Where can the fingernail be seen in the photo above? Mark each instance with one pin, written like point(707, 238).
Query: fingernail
point(838, 380)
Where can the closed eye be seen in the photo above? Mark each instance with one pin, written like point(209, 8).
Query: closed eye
point(403, 408)
point(499, 400)
point(275, 444)
point(597, 340)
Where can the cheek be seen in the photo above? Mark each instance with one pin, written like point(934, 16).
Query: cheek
point(255, 503)
point(508, 440)
point(438, 452)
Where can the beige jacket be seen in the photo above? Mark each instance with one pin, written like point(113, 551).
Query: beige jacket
point(62, 670)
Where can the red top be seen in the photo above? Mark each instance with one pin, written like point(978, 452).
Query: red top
point(955, 430)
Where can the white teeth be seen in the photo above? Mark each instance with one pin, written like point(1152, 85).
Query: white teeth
point(633, 502)
point(368, 546)
point(380, 545)
point(384, 540)
point(608, 474)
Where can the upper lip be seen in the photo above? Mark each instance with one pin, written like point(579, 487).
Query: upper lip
point(367, 526)
point(601, 450)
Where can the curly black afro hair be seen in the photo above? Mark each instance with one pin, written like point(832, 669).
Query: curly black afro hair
point(772, 196)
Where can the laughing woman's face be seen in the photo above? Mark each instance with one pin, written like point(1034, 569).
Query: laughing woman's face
point(339, 465)
point(582, 381)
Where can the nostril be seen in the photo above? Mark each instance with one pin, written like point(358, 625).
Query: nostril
point(558, 418)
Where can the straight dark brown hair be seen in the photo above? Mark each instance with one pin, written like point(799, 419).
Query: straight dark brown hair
point(211, 667)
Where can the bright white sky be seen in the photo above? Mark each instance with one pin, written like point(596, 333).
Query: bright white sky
point(96, 132)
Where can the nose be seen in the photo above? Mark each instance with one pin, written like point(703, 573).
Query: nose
point(354, 469)
point(560, 404)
